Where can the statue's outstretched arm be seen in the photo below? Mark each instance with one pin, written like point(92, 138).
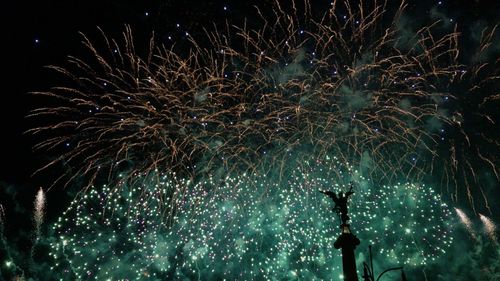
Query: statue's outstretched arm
point(330, 194)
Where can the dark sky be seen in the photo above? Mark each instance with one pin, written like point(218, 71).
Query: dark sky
point(39, 33)
point(43, 32)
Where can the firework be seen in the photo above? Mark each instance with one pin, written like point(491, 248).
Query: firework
point(464, 219)
point(2, 217)
point(341, 84)
point(2, 223)
point(245, 227)
point(213, 155)
point(489, 227)
point(467, 142)
point(38, 218)
point(8, 263)
point(39, 211)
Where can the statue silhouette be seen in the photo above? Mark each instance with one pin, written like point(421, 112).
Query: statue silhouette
point(340, 202)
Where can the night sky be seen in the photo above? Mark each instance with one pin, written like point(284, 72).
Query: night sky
point(41, 33)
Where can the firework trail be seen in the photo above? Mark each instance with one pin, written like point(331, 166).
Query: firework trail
point(39, 211)
point(38, 217)
point(2, 217)
point(489, 227)
point(466, 222)
point(2, 225)
point(472, 133)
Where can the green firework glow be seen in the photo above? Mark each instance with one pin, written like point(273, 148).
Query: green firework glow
point(245, 227)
